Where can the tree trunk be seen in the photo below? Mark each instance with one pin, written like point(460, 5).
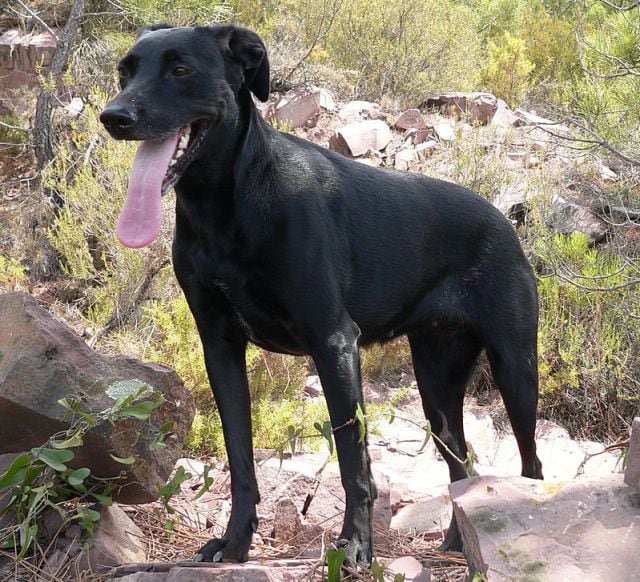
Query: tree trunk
point(43, 143)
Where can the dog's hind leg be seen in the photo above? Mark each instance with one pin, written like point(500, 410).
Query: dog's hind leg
point(513, 359)
point(443, 362)
point(338, 363)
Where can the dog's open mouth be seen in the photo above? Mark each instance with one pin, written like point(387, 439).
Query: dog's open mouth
point(158, 165)
point(190, 139)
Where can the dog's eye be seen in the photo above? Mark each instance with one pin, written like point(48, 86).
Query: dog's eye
point(123, 72)
point(180, 72)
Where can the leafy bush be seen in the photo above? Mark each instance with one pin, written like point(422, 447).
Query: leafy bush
point(405, 49)
point(589, 360)
point(507, 72)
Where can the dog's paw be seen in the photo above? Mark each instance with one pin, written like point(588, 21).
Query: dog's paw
point(358, 552)
point(223, 550)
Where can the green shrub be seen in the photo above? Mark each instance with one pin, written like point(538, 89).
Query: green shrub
point(405, 50)
point(588, 336)
point(508, 68)
point(91, 174)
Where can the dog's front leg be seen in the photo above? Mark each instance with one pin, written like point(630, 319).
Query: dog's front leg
point(338, 363)
point(224, 350)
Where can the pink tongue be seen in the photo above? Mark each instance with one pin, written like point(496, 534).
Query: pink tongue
point(141, 216)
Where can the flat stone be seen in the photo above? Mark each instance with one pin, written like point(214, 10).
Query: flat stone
point(445, 131)
point(253, 571)
point(298, 106)
point(404, 159)
point(429, 516)
point(569, 218)
point(356, 139)
point(504, 116)
point(116, 540)
point(351, 112)
point(409, 568)
point(516, 528)
point(632, 471)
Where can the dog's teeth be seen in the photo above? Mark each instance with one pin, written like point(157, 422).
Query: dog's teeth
point(180, 152)
point(184, 140)
point(172, 162)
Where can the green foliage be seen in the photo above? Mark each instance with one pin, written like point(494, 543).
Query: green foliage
point(508, 69)
point(587, 341)
point(12, 274)
point(41, 480)
point(179, 12)
point(404, 49)
point(335, 559)
point(91, 174)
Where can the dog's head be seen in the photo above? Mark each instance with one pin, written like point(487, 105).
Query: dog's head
point(179, 84)
point(173, 77)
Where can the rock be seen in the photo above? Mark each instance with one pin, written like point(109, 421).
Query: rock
point(356, 139)
point(632, 471)
point(518, 528)
point(298, 106)
point(409, 568)
point(22, 56)
point(352, 111)
point(445, 131)
point(606, 173)
point(473, 107)
point(313, 386)
point(405, 159)
point(569, 218)
point(287, 522)
point(42, 361)
point(504, 116)
point(253, 571)
point(426, 149)
point(410, 119)
point(431, 516)
point(116, 540)
point(75, 107)
point(327, 102)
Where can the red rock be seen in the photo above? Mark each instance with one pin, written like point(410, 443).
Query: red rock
point(410, 119)
point(298, 106)
point(474, 107)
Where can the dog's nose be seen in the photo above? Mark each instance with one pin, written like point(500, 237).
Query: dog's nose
point(117, 117)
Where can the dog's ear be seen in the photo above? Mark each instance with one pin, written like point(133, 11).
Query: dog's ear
point(146, 29)
point(247, 48)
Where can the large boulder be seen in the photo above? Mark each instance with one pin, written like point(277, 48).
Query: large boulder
point(43, 361)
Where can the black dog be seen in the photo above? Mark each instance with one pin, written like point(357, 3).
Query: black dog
point(302, 251)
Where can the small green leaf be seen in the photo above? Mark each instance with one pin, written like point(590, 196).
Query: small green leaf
point(292, 435)
point(335, 560)
point(28, 533)
point(130, 460)
point(361, 423)
point(208, 481)
point(327, 432)
point(75, 440)
point(56, 459)
point(77, 477)
point(15, 472)
point(398, 577)
point(140, 410)
point(377, 572)
point(167, 427)
point(469, 467)
point(103, 499)
point(427, 436)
